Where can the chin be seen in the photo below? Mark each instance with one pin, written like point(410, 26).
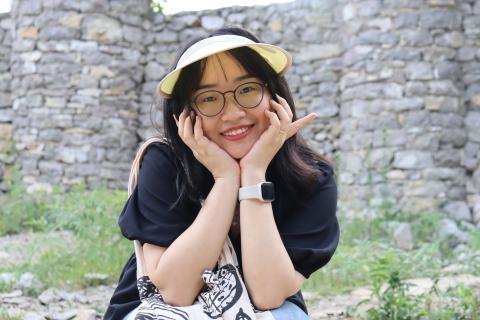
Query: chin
point(236, 154)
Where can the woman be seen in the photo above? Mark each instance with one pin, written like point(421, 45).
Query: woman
point(234, 166)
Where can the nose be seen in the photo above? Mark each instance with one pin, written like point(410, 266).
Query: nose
point(232, 111)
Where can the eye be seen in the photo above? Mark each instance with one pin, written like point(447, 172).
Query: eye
point(209, 99)
point(247, 89)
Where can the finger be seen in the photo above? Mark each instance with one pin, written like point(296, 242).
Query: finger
point(300, 123)
point(283, 102)
point(181, 124)
point(188, 128)
point(198, 130)
point(281, 112)
point(274, 120)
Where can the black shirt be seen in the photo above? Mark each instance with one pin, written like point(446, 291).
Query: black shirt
point(309, 230)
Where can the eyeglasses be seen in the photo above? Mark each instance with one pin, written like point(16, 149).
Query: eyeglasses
point(247, 95)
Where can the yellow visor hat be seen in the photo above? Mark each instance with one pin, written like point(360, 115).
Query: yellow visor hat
point(279, 59)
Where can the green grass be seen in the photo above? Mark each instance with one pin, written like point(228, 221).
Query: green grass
point(363, 242)
point(4, 315)
point(91, 217)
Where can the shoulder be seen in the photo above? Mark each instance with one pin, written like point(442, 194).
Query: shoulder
point(158, 156)
point(326, 176)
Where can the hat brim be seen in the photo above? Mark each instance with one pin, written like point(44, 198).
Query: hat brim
point(279, 59)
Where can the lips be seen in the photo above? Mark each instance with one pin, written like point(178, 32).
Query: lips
point(236, 133)
point(233, 131)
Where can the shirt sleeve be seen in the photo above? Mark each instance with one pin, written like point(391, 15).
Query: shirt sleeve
point(311, 233)
point(146, 215)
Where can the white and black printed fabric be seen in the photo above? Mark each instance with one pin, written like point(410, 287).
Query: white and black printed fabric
point(224, 297)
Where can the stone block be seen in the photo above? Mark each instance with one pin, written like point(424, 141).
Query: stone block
point(53, 33)
point(155, 71)
point(458, 211)
point(412, 159)
point(377, 38)
point(472, 120)
point(71, 20)
point(455, 137)
point(83, 46)
point(443, 104)
point(50, 167)
point(132, 34)
point(212, 22)
point(466, 54)
point(454, 39)
point(314, 52)
point(419, 71)
point(472, 25)
point(55, 102)
point(101, 28)
point(441, 3)
point(416, 38)
point(29, 7)
point(325, 108)
point(429, 188)
point(440, 19)
point(448, 157)
point(100, 71)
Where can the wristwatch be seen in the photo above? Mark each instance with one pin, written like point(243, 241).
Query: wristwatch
point(262, 191)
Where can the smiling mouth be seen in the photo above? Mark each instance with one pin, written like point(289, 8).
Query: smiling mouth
point(236, 133)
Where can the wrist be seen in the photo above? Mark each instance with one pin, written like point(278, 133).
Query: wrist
point(233, 180)
point(251, 177)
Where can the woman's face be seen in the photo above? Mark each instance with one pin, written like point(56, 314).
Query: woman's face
point(234, 129)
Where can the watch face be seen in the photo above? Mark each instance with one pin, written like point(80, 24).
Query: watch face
point(268, 192)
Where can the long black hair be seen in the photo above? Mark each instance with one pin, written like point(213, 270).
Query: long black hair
point(293, 170)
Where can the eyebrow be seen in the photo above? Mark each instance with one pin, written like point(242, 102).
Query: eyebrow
point(208, 86)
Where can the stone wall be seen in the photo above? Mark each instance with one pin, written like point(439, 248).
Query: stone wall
point(6, 112)
point(469, 58)
point(396, 84)
point(77, 67)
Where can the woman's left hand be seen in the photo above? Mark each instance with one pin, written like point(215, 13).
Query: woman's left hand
point(281, 128)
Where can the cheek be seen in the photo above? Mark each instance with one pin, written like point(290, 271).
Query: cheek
point(209, 127)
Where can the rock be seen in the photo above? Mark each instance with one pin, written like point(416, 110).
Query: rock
point(454, 269)
point(96, 278)
point(419, 71)
point(324, 108)
point(64, 315)
point(458, 211)
point(50, 295)
point(33, 316)
point(449, 230)
point(102, 28)
point(437, 18)
point(28, 281)
point(212, 22)
point(154, 71)
point(472, 120)
point(320, 51)
point(403, 236)
point(442, 3)
point(86, 314)
point(444, 104)
point(412, 159)
point(7, 278)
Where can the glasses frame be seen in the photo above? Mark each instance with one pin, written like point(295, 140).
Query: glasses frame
point(262, 85)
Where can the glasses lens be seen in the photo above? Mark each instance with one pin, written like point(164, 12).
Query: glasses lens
point(209, 103)
point(249, 95)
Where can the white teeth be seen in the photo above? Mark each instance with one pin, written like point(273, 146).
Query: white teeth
point(235, 132)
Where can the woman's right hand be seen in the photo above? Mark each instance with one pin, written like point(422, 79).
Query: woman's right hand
point(215, 159)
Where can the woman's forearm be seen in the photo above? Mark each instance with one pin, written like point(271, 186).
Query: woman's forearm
point(178, 272)
point(269, 273)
